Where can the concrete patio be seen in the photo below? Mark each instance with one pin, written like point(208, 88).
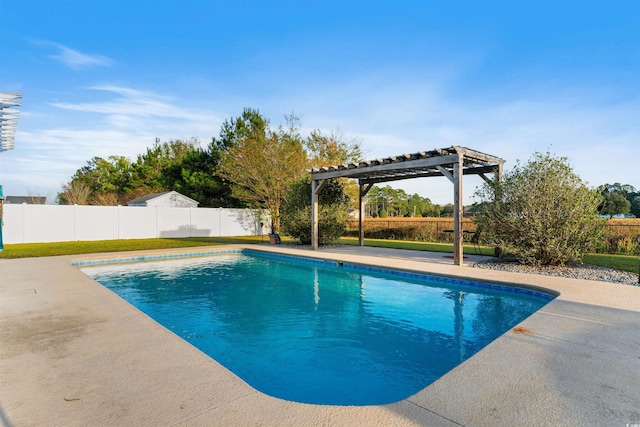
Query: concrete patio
point(73, 353)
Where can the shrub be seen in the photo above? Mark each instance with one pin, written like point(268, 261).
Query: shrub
point(332, 212)
point(541, 212)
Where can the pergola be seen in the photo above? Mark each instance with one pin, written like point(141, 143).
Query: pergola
point(452, 162)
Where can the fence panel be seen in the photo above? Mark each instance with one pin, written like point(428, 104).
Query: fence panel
point(13, 224)
point(137, 222)
point(241, 222)
point(205, 222)
point(96, 222)
point(57, 223)
point(174, 222)
point(54, 223)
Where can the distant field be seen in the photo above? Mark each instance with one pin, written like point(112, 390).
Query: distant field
point(624, 221)
point(622, 236)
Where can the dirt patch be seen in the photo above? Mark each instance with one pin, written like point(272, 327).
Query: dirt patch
point(521, 330)
point(43, 333)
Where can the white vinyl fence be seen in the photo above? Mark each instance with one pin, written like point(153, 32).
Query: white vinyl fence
point(56, 223)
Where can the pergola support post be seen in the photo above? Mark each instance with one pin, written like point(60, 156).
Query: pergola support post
point(361, 194)
point(457, 212)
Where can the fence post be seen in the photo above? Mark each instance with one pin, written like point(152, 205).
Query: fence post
point(75, 222)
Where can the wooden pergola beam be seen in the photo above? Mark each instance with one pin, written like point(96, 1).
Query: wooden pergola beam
point(386, 167)
point(428, 174)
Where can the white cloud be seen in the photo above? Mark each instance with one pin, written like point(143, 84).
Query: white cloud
point(75, 59)
point(134, 109)
point(124, 125)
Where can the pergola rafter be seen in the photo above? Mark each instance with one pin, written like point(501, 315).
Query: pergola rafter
point(452, 162)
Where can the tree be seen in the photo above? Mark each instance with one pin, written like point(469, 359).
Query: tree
point(331, 150)
point(382, 200)
point(616, 188)
point(250, 124)
point(387, 201)
point(617, 198)
point(418, 206)
point(74, 193)
point(334, 149)
point(446, 210)
point(635, 206)
point(332, 211)
point(108, 180)
point(151, 167)
point(261, 166)
point(193, 177)
point(614, 204)
point(540, 212)
point(179, 165)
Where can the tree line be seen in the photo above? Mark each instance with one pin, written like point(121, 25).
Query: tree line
point(179, 165)
point(246, 143)
point(205, 174)
point(252, 164)
point(619, 199)
point(383, 202)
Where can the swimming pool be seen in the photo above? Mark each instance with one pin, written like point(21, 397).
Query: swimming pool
point(321, 332)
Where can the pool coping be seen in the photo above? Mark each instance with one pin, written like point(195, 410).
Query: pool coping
point(74, 353)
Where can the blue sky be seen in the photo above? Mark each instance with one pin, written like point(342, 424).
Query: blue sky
point(507, 78)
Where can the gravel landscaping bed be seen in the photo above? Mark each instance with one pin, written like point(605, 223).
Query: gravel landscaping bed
point(576, 271)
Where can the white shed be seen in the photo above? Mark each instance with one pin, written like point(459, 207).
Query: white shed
point(168, 199)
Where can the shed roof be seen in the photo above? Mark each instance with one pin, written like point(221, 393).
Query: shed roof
point(32, 200)
point(148, 197)
point(152, 196)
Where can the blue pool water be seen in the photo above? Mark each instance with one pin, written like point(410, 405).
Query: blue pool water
point(319, 332)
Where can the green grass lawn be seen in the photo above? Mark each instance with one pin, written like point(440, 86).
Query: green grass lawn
point(619, 262)
point(415, 246)
point(26, 250)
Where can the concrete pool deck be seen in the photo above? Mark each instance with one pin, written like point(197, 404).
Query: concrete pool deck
point(73, 353)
